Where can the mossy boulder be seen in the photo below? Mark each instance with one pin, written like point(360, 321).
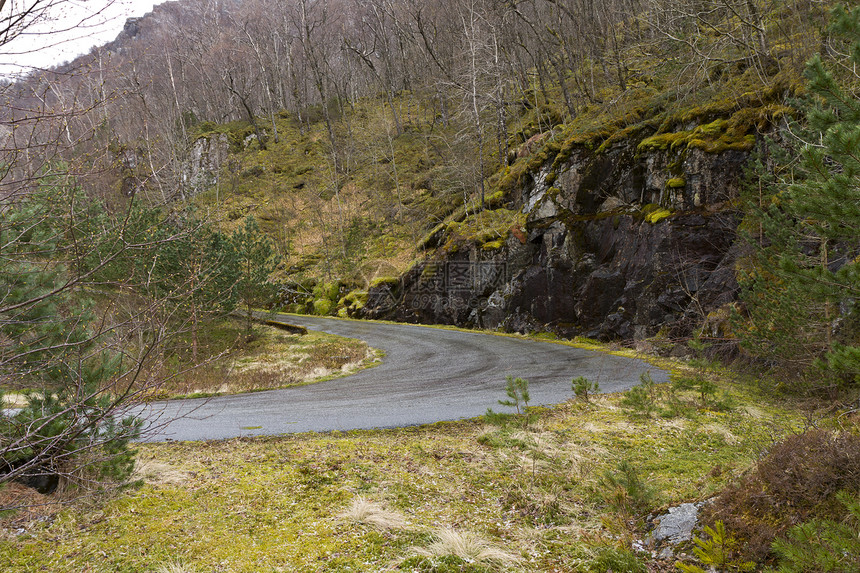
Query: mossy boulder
point(328, 291)
point(323, 306)
point(379, 282)
point(352, 303)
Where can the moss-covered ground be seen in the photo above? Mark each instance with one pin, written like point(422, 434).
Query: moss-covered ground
point(512, 495)
point(265, 359)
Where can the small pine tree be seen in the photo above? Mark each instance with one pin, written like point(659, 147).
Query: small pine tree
point(54, 346)
point(642, 399)
point(800, 289)
point(719, 552)
point(517, 390)
point(256, 259)
point(582, 387)
point(626, 491)
point(699, 381)
point(823, 545)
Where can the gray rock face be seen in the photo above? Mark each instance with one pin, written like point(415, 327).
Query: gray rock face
point(203, 165)
point(676, 526)
point(590, 260)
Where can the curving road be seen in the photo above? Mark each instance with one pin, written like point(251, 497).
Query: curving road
point(428, 375)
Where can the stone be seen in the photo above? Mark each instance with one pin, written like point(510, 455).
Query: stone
point(676, 526)
point(666, 554)
point(546, 210)
point(612, 204)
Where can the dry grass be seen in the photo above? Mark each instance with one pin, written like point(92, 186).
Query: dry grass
point(273, 360)
point(468, 547)
point(721, 430)
point(367, 512)
point(175, 567)
point(159, 473)
point(21, 506)
point(420, 498)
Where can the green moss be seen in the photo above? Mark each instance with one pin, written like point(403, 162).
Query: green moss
point(496, 199)
point(355, 298)
point(327, 291)
point(484, 228)
point(493, 245)
point(323, 306)
point(665, 141)
point(657, 216)
point(676, 183)
point(351, 303)
point(720, 135)
point(385, 281)
point(653, 213)
point(716, 127)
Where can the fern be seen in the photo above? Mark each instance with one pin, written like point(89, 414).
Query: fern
point(718, 552)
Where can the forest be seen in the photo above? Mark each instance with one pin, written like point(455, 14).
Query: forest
point(676, 179)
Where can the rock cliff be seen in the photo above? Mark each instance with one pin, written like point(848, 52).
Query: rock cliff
point(200, 170)
point(617, 244)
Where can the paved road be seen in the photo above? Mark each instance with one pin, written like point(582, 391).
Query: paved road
point(428, 375)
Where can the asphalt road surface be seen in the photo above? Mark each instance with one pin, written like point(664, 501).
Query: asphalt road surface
point(428, 375)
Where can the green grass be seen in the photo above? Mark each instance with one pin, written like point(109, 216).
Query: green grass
point(283, 503)
point(272, 358)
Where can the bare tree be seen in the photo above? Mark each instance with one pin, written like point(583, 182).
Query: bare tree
point(92, 296)
point(713, 34)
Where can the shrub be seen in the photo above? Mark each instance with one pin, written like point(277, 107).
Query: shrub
point(699, 381)
point(642, 399)
point(719, 552)
point(582, 387)
point(517, 390)
point(626, 492)
point(824, 546)
point(796, 481)
point(61, 437)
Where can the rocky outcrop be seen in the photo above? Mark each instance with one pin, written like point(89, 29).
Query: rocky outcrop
point(201, 169)
point(621, 244)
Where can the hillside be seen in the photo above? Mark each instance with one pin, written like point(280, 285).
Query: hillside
point(677, 179)
point(609, 206)
point(526, 167)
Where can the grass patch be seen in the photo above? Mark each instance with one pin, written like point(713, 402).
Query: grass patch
point(272, 358)
point(460, 496)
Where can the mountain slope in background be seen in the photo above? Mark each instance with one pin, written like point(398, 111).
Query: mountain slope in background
point(560, 166)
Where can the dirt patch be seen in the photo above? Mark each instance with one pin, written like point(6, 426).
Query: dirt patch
point(21, 507)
